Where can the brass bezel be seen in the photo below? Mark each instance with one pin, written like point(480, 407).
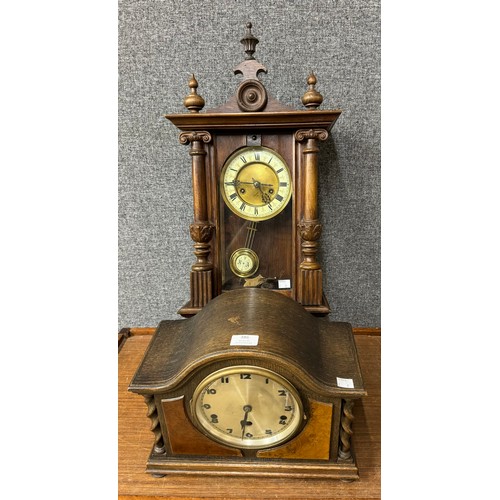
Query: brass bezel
point(230, 440)
point(256, 149)
point(250, 254)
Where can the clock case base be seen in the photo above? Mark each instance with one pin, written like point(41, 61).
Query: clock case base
point(160, 465)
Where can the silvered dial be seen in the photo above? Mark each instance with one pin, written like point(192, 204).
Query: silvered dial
point(247, 407)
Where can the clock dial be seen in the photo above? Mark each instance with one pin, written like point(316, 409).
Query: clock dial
point(247, 407)
point(256, 183)
point(244, 262)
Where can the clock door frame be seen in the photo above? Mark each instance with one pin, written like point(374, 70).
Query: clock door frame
point(207, 134)
point(224, 146)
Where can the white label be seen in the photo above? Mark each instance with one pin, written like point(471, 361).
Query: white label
point(284, 284)
point(252, 340)
point(346, 383)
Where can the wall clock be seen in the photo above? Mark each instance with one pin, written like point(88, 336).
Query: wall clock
point(253, 381)
point(255, 190)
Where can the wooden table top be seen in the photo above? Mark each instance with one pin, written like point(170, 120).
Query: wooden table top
point(135, 441)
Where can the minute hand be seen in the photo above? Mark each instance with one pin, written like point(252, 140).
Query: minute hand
point(236, 182)
point(254, 183)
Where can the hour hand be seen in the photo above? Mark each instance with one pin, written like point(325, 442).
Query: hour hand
point(234, 182)
point(244, 423)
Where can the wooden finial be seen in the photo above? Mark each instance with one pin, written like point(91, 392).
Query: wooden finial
point(312, 98)
point(249, 42)
point(193, 101)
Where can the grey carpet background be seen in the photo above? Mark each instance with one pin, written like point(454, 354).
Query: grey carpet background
point(160, 44)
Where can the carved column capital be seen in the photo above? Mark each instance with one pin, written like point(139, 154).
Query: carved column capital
point(195, 136)
point(201, 232)
point(310, 230)
point(312, 133)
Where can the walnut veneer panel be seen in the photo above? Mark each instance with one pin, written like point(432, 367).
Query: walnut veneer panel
point(135, 441)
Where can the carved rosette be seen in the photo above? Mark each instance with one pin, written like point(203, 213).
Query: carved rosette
point(346, 431)
point(251, 96)
point(159, 446)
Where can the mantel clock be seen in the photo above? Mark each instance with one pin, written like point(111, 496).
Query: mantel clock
point(254, 381)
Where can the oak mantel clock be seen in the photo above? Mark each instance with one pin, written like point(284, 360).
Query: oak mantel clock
point(253, 382)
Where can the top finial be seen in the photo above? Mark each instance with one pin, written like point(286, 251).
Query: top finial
point(249, 42)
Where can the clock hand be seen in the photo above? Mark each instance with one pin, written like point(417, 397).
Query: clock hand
point(237, 182)
point(258, 184)
point(265, 196)
point(247, 409)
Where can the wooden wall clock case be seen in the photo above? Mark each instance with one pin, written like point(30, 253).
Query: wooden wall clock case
point(256, 380)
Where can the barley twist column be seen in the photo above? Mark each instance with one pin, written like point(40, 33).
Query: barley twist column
point(346, 431)
point(159, 446)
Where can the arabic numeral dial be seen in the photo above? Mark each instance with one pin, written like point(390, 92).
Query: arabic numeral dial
point(247, 407)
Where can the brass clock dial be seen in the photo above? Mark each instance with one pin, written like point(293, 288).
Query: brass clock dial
point(256, 183)
point(247, 407)
point(244, 262)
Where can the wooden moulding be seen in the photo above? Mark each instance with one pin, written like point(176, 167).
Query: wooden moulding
point(262, 120)
point(269, 468)
point(125, 333)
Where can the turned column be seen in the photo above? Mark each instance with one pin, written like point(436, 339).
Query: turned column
point(347, 418)
point(201, 230)
point(311, 277)
point(159, 446)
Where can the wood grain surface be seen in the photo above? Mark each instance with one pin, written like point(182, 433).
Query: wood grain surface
point(135, 441)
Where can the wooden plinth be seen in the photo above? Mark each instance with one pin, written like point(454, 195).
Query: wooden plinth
point(248, 469)
point(135, 440)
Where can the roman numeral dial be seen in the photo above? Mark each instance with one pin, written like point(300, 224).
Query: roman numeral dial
point(256, 183)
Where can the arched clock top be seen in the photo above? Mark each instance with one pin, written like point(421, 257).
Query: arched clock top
point(251, 324)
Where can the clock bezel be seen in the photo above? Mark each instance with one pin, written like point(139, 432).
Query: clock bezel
point(288, 193)
point(251, 255)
